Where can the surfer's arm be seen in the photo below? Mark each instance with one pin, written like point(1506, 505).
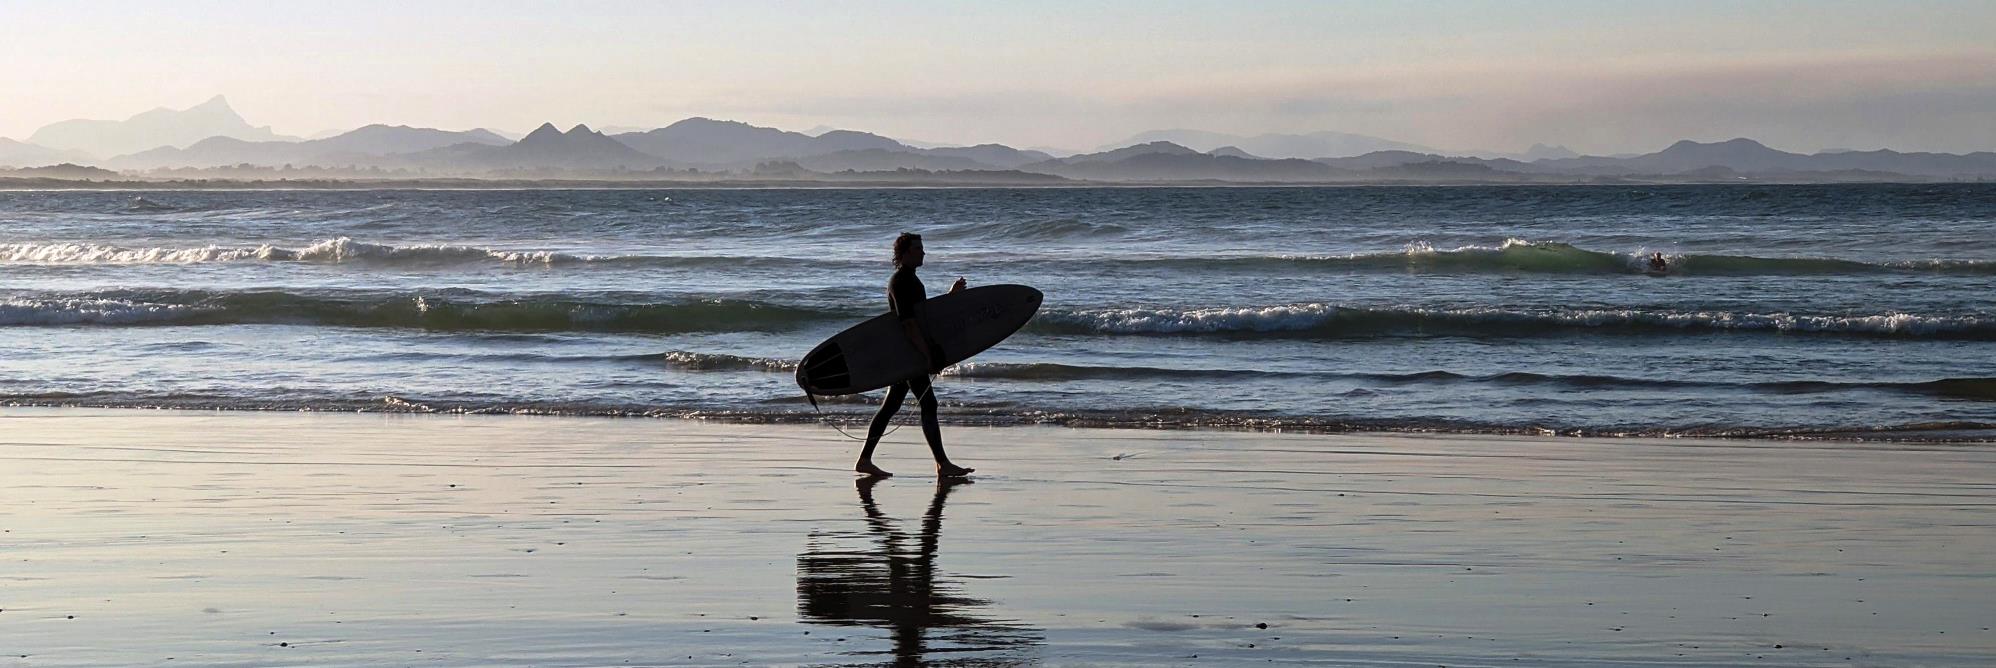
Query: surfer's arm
point(920, 339)
point(915, 335)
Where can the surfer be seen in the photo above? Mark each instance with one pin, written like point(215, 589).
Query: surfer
point(905, 295)
point(1657, 264)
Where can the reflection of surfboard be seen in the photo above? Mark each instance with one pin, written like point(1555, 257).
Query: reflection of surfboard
point(876, 353)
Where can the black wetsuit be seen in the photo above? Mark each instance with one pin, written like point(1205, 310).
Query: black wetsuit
point(905, 294)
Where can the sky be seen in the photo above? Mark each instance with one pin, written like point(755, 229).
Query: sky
point(1597, 76)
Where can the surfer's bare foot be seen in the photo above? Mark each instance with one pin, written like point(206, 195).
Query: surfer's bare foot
point(871, 471)
point(952, 471)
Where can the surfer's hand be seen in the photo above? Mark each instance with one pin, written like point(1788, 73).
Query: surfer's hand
point(958, 286)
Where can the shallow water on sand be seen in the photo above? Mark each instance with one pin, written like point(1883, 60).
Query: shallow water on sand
point(243, 539)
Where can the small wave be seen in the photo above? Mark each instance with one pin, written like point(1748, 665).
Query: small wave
point(138, 204)
point(1052, 229)
point(1551, 257)
point(1048, 371)
point(691, 361)
point(1956, 388)
point(44, 312)
point(1331, 321)
point(410, 311)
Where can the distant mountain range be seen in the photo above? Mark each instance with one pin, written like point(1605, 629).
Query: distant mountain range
point(547, 147)
point(211, 136)
point(152, 129)
point(367, 145)
point(21, 154)
point(1306, 146)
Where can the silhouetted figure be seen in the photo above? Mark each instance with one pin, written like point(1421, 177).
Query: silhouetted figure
point(905, 295)
point(1657, 264)
point(891, 584)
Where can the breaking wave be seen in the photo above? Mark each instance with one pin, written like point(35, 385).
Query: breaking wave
point(345, 250)
point(1295, 321)
point(409, 311)
point(1331, 321)
point(1552, 257)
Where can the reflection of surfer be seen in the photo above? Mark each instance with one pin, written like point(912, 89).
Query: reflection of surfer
point(892, 583)
point(905, 295)
point(1657, 264)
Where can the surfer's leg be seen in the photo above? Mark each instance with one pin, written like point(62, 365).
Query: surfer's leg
point(888, 406)
point(925, 396)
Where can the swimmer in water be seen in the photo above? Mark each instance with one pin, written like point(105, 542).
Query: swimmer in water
point(1657, 264)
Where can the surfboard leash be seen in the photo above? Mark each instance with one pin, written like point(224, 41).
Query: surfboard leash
point(930, 392)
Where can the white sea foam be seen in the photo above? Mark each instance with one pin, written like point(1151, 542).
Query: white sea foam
point(331, 251)
point(82, 253)
point(1329, 319)
point(1209, 320)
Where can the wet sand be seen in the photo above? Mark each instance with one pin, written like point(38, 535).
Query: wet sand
point(246, 539)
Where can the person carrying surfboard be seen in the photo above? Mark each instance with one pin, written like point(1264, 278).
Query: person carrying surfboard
point(905, 294)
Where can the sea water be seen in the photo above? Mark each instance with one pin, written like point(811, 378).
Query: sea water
point(1803, 311)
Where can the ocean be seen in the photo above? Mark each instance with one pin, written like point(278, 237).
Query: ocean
point(1819, 311)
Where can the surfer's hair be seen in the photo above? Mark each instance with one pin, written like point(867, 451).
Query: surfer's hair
point(904, 242)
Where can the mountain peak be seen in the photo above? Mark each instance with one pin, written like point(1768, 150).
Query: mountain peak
point(1232, 152)
point(152, 129)
point(582, 129)
point(545, 132)
point(1736, 143)
point(216, 103)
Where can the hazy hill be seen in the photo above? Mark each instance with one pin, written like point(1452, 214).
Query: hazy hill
point(544, 148)
point(1166, 161)
point(705, 141)
point(381, 139)
point(1394, 163)
point(1233, 151)
point(1312, 145)
point(1748, 157)
point(65, 171)
point(1981, 164)
point(1127, 152)
point(159, 127)
point(363, 146)
point(1743, 155)
point(21, 154)
point(996, 155)
point(1544, 152)
point(874, 159)
point(851, 140)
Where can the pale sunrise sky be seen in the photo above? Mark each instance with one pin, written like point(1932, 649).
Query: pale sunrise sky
point(1599, 77)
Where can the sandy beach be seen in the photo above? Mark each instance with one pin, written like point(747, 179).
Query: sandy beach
point(262, 539)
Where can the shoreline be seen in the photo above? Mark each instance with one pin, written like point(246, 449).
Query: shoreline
point(10, 184)
point(362, 540)
point(1961, 432)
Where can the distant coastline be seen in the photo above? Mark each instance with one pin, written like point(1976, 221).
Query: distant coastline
point(210, 146)
point(440, 183)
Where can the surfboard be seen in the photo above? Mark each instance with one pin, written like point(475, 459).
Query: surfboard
point(876, 353)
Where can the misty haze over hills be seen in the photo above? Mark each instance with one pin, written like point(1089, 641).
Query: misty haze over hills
point(211, 140)
point(1306, 146)
point(152, 129)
